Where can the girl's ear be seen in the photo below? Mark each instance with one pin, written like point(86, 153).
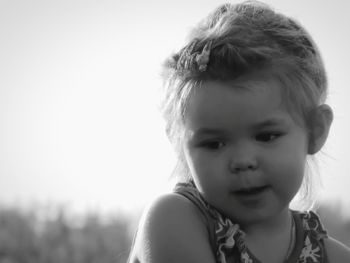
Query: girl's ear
point(320, 121)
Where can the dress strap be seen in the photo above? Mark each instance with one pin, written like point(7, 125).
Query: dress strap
point(310, 238)
point(225, 236)
point(312, 224)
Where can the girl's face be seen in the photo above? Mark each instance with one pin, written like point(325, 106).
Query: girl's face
point(245, 152)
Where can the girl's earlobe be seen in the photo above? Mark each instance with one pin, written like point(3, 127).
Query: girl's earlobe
point(320, 121)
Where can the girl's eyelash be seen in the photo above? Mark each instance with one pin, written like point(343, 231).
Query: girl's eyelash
point(268, 136)
point(212, 144)
point(216, 144)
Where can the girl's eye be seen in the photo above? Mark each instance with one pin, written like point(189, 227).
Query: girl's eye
point(267, 136)
point(212, 145)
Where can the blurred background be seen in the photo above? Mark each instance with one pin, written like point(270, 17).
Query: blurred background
point(82, 146)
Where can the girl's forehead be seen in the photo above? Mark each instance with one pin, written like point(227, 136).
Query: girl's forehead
point(219, 103)
point(250, 98)
point(252, 89)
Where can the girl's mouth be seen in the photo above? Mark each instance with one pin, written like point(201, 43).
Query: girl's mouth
point(251, 191)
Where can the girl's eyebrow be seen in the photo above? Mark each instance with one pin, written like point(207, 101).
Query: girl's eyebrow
point(207, 131)
point(271, 123)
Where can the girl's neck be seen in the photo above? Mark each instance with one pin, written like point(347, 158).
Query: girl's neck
point(270, 226)
point(270, 241)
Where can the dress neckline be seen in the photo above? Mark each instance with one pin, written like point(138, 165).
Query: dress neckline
point(295, 245)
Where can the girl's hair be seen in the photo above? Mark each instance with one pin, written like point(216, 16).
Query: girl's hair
point(237, 40)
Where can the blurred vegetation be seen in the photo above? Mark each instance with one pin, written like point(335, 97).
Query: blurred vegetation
point(28, 237)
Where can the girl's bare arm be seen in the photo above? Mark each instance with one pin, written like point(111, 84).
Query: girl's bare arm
point(172, 230)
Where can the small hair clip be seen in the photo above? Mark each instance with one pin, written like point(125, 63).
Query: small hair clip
point(202, 59)
point(185, 54)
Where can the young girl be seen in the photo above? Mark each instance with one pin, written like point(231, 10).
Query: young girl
point(245, 108)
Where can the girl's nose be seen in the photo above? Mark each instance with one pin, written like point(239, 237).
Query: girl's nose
point(237, 166)
point(243, 162)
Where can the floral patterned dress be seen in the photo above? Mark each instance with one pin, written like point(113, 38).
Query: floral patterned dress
point(227, 239)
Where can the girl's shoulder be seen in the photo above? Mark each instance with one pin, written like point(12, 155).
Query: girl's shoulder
point(172, 230)
point(337, 252)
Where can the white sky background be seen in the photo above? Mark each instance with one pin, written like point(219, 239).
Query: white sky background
point(78, 97)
